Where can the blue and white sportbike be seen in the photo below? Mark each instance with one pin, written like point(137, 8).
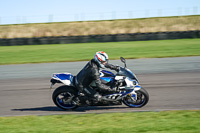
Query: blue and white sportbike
point(130, 93)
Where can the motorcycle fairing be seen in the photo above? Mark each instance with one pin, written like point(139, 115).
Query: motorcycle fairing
point(118, 96)
point(137, 87)
point(128, 73)
point(112, 97)
point(104, 73)
point(107, 79)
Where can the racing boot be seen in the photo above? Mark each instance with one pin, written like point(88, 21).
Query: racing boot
point(97, 96)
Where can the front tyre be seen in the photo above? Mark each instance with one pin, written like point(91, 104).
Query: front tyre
point(142, 99)
point(64, 97)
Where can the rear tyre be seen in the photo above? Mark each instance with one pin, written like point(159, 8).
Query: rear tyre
point(64, 97)
point(142, 99)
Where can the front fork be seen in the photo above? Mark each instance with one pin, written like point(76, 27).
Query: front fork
point(133, 94)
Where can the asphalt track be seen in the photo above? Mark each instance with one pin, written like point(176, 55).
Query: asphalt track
point(172, 83)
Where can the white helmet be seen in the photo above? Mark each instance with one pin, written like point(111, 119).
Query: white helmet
point(101, 57)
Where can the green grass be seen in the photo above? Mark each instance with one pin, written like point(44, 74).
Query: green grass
point(86, 51)
point(148, 122)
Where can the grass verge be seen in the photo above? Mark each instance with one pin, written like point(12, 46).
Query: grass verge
point(86, 51)
point(162, 122)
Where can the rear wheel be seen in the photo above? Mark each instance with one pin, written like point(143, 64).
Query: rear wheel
point(142, 99)
point(64, 97)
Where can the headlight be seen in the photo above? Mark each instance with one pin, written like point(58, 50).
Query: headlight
point(135, 82)
point(131, 82)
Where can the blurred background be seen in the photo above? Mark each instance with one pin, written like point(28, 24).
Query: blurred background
point(47, 18)
point(45, 11)
point(101, 15)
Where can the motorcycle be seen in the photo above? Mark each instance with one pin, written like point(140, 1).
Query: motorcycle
point(68, 97)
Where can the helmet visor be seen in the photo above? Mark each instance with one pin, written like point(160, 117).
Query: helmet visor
point(104, 62)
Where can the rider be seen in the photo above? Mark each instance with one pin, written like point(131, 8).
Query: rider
point(91, 73)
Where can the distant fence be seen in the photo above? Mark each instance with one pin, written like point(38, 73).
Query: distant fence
point(100, 38)
point(49, 18)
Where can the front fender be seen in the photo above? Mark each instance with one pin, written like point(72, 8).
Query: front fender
point(137, 87)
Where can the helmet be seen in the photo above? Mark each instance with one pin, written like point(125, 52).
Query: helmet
point(101, 57)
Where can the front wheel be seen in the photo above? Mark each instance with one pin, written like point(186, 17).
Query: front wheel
point(63, 97)
point(142, 99)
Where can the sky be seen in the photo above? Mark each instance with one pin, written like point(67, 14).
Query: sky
point(35, 11)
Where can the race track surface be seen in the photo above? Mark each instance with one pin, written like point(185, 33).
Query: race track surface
point(172, 83)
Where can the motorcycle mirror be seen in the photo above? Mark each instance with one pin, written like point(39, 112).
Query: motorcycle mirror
point(123, 60)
